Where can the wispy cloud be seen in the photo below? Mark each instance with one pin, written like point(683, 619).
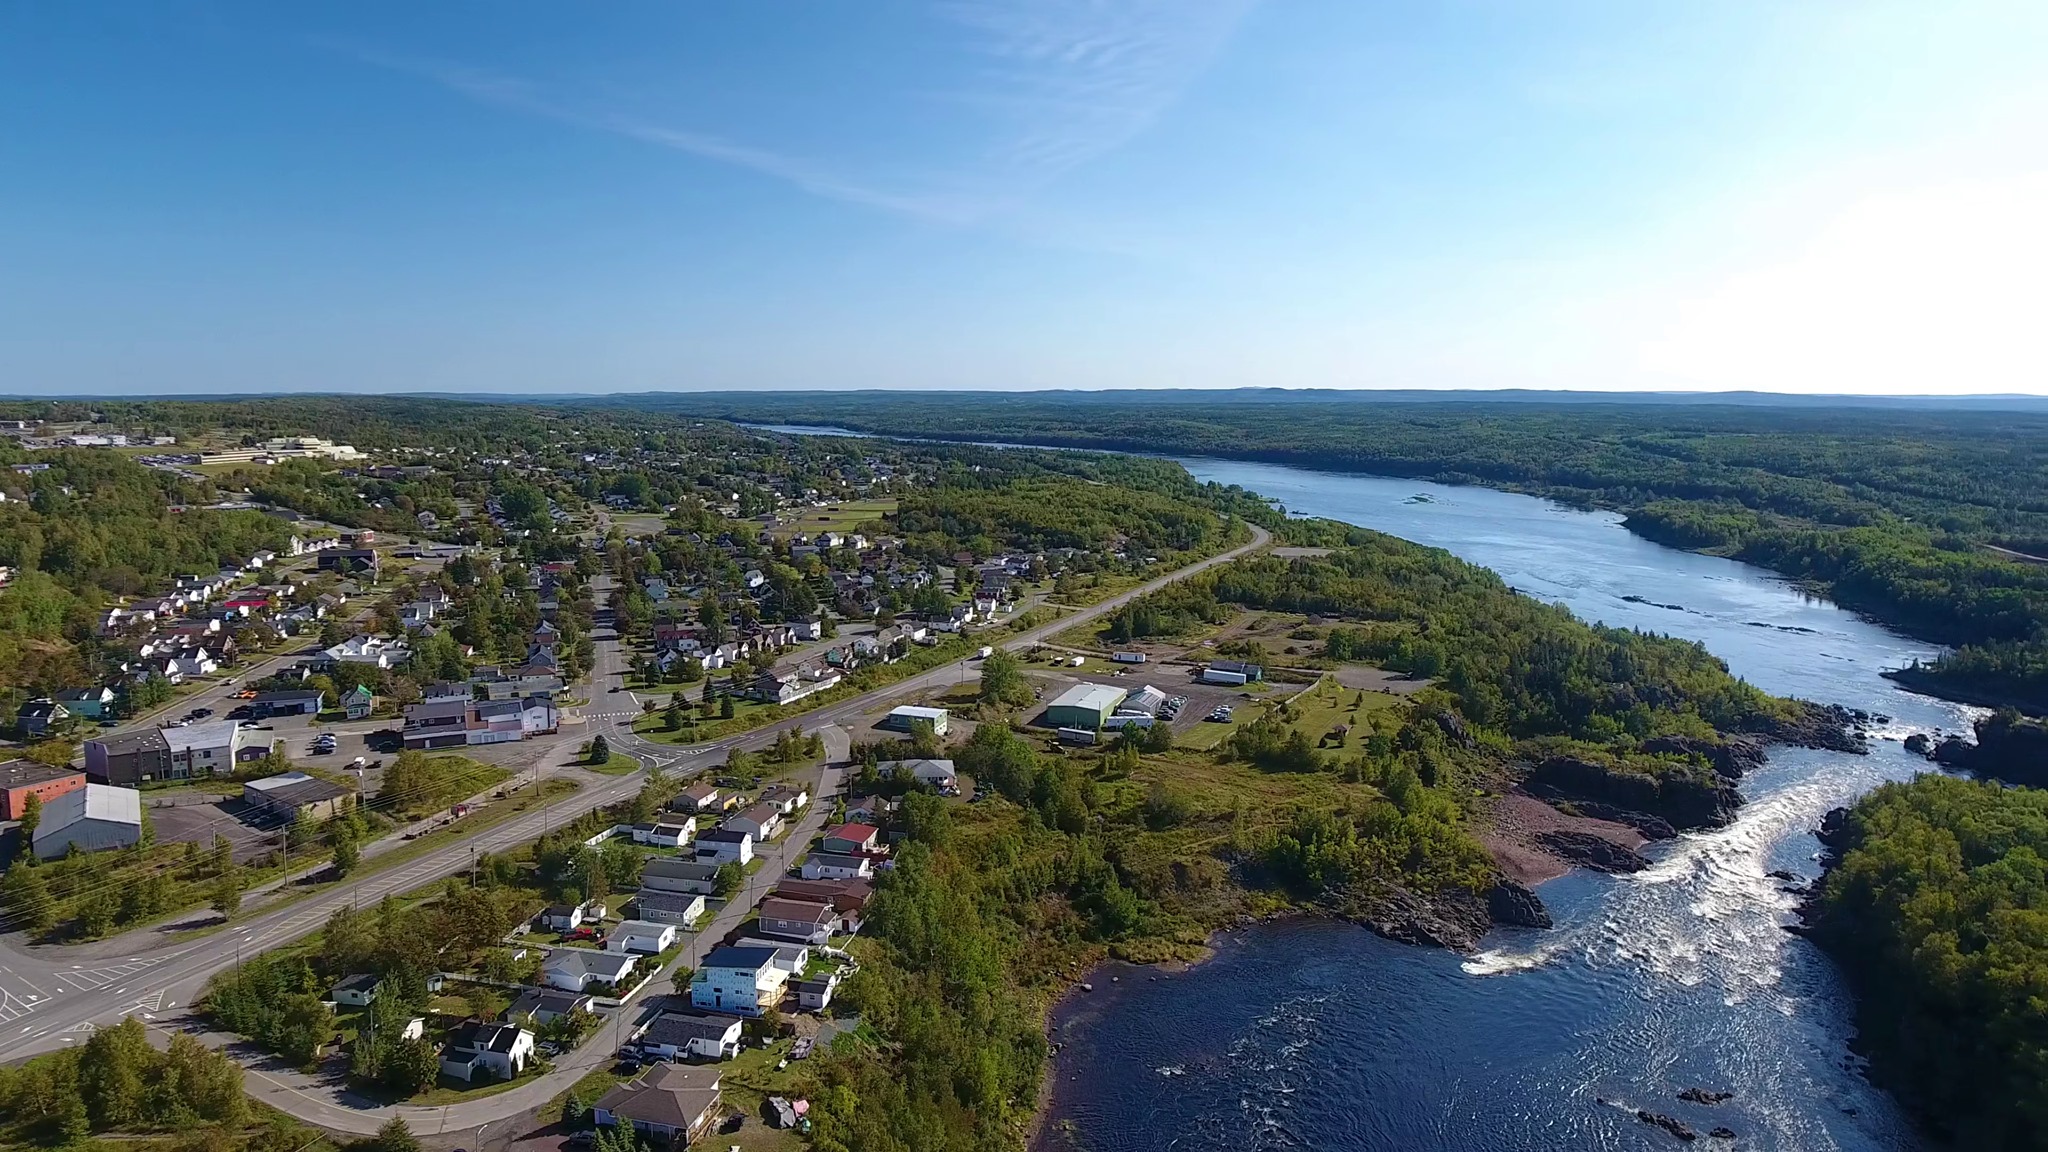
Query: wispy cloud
point(1052, 85)
point(1072, 80)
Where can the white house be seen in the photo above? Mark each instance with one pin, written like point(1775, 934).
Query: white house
point(744, 981)
point(673, 1035)
point(646, 937)
point(761, 821)
point(576, 969)
point(831, 866)
point(939, 773)
point(725, 846)
point(671, 833)
point(356, 991)
point(486, 1051)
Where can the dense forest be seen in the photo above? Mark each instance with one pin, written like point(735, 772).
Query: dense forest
point(1925, 519)
point(1937, 908)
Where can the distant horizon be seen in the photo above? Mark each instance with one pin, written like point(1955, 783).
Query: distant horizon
point(1401, 395)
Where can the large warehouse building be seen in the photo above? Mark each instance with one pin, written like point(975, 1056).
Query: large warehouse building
point(94, 818)
point(1084, 706)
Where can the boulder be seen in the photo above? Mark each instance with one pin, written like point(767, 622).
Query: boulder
point(1513, 903)
point(1596, 852)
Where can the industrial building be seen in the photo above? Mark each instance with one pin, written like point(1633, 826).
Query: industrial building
point(20, 779)
point(93, 818)
point(901, 719)
point(290, 796)
point(1084, 706)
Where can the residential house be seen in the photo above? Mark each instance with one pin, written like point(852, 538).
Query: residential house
point(671, 1106)
point(833, 866)
point(562, 917)
point(852, 839)
point(577, 969)
point(761, 821)
point(680, 908)
point(356, 991)
point(789, 799)
point(743, 981)
point(675, 1035)
point(646, 937)
point(37, 717)
point(939, 773)
point(870, 809)
point(538, 1006)
point(814, 993)
point(667, 834)
point(670, 874)
point(444, 690)
point(350, 560)
point(378, 651)
point(94, 818)
point(697, 798)
point(490, 1052)
point(95, 703)
point(358, 703)
point(811, 923)
point(725, 845)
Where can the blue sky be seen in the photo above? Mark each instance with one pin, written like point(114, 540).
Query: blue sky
point(1623, 194)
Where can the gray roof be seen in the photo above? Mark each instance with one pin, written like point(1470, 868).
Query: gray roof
point(19, 773)
point(124, 743)
point(552, 1000)
point(588, 961)
point(655, 900)
point(679, 1028)
point(92, 802)
point(729, 957)
point(675, 868)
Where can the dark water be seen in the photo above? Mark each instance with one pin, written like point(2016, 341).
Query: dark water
point(1316, 1035)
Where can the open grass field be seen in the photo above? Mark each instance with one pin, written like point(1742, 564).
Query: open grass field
point(842, 517)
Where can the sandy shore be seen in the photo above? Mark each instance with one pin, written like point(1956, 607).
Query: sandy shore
point(1508, 828)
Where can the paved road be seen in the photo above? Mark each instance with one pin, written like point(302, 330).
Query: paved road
point(47, 1000)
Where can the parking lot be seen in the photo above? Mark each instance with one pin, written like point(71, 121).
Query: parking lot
point(188, 820)
point(1202, 699)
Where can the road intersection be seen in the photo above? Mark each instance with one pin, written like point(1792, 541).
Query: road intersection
point(51, 996)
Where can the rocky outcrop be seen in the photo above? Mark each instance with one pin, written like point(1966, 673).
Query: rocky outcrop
point(1702, 1096)
point(1730, 756)
point(1671, 1124)
point(1683, 799)
point(1596, 852)
point(1828, 726)
point(1455, 919)
point(1516, 905)
point(2009, 748)
point(1918, 744)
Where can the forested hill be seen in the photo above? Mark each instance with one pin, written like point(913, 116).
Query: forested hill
point(1923, 519)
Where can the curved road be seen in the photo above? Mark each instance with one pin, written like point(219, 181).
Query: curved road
point(75, 995)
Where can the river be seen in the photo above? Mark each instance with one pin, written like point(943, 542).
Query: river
point(1320, 1035)
point(1317, 1035)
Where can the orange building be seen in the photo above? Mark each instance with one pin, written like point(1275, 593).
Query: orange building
point(20, 779)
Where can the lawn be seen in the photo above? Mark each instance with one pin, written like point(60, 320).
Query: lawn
point(617, 764)
point(589, 1088)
